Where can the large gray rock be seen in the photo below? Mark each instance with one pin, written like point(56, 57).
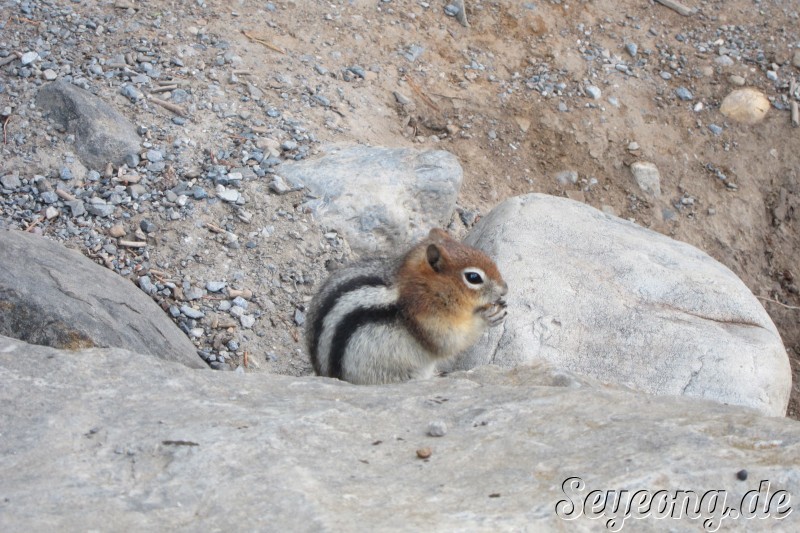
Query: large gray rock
point(604, 297)
point(54, 296)
point(102, 135)
point(380, 198)
point(102, 440)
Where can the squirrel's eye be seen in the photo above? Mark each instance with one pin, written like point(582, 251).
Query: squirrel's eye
point(473, 277)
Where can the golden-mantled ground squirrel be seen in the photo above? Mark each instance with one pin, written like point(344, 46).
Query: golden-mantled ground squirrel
point(384, 322)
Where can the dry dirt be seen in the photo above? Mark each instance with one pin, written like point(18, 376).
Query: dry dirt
point(510, 138)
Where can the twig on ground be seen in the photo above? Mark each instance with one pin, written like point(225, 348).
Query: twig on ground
point(794, 307)
point(424, 97)
point(677, 7)
point(178, 110)
point(13, 57)
point(33, 224)
point(64, 195)
point(133, 244)
point(5, 129)
point(263, 42)
point(164, 88)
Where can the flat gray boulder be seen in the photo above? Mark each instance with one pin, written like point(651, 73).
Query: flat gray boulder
point(102, 135)
point(103, 440)
point(54, 296)
point(601, 296)
point(379, 198)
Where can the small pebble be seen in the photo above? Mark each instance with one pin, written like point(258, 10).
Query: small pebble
point(117, 231)
point(130, 92)
point(684, 94)
point(215, 286)
point(147, 285)
point(194, 293)
point(49, 197)
point(191, 312)
point(28, 58)
point(437, 428)
point(147, 226)
point(278, 185)
point(10, 182)
point(567, 177)
point(593, 91)
point(358, 71)
point(738, 81)
point(741, 475)
point(724, 61)
point(424, 453)
point(229, 195)
point(248, 321)
point(451, 10)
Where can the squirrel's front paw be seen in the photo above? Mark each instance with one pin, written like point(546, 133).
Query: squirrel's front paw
point(494, 313)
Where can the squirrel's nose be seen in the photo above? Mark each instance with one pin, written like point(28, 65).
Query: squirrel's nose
point(504, 289)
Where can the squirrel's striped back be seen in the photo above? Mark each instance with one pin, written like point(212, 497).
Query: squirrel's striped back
point(383, 322)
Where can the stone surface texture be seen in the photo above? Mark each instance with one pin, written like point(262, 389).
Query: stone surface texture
point(603, 297)
point(380, 198)
point(647, 178)
point(105, 440)
point(54, 296)
point(746, 105)
point(102, 134)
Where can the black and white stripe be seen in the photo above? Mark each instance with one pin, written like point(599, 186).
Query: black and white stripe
point(347, 327)
point(346, 303)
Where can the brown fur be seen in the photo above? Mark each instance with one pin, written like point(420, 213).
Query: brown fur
point(435, 300)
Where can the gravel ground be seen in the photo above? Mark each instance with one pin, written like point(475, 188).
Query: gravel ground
point(544, 96)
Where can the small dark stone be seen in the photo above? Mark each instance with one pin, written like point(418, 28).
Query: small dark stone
point(49, 197)
point(147, 226)
point(358, 71)
point(741, 475)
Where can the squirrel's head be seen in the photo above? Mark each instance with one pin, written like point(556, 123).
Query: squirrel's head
point(441, 276)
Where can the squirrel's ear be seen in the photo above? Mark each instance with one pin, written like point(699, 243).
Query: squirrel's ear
point(434, 256)
point(438, 235)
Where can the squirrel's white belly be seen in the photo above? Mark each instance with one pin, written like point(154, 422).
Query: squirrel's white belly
point(378, 349)
point(385, 353)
